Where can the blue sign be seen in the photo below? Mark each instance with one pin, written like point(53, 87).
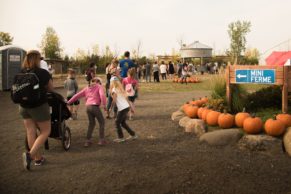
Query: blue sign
point(258, 76)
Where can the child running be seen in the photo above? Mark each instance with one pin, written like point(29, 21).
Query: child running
point(120, 99)
point(94, 94)
point(131, 87)
point(71, 86)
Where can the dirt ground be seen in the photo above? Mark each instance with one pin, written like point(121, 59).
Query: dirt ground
point(162, 160)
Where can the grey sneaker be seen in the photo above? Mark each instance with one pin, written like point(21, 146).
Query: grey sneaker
point(132, 137)
point(26, 159)
point(119, 140)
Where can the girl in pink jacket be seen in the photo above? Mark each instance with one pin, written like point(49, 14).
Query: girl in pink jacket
point(94, 95)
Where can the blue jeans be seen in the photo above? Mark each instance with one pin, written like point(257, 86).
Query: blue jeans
point(109, 103)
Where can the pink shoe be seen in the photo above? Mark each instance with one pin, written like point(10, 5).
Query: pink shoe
point(102, 142)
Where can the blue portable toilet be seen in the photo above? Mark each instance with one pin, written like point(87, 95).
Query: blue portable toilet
point(11, 58)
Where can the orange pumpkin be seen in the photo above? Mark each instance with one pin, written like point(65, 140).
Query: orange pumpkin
point(204, 100)
point(194, 102)
point(200, 111)
point(199, 102)
point(185, 106)
point(274, 127)
point(240, 117)
point(205, 112)
point(212, 118)
point(252, 125)
point(285, 118)
point(191, 111)
point(225, 120)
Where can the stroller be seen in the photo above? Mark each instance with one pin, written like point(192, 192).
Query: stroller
point(59, 114)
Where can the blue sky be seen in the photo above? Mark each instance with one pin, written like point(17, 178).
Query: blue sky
point(157, 23)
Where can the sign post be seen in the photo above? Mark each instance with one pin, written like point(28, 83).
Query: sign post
point(272, 75)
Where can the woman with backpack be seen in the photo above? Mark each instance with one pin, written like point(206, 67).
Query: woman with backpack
point(131, 87)
point(34, 109)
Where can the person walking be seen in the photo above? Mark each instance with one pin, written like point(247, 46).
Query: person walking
point(90, 73)
point(71, 86)
point(156, 72)
point(184, 73)
point(112, 71)
point(163, 70)
point(125, 64)
point(131, 88)
point(148, 72)
point(34, 109)
point(171, 70)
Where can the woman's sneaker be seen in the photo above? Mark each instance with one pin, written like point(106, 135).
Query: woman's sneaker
point(119, 140)
point(26, 159)
point(39, 162)
point(132, 137)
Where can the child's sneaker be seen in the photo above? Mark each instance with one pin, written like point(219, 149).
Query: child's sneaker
point(102, 142)
point(39, 162)
point(132, 137)
point(26, 160)
point(87, 143)
point(119, 140)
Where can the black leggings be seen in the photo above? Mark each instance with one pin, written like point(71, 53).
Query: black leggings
point(121, 122)
point(156, 76)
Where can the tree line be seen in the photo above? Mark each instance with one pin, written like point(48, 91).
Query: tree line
point(51, 48)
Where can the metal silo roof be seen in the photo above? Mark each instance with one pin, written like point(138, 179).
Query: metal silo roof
point(197, 45)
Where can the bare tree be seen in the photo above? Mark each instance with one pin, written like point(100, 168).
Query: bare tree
point(136, 52)
point(181, 41)
point(116, 51)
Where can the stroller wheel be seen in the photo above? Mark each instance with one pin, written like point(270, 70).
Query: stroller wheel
point(66, 138)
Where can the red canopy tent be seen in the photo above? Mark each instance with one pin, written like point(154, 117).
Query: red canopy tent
point(278, 58)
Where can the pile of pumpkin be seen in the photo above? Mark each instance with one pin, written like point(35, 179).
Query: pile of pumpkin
point(249, 123)
point(188, 80)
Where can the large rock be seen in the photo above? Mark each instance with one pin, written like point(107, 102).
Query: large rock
point(222, 137)
point(196, 126)
point(176, 116)
point(261, 143)
point(184, 121)
point(287, 141)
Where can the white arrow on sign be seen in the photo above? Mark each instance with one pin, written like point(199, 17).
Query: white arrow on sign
point(241, 76)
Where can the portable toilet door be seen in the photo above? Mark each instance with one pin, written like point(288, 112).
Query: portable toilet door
point(11, 58)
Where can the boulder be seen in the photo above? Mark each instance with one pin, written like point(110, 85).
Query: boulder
point(176, 116)
point(261, 143)
point(183, 121)
point(222, 137)
point(196, 126)
point(287, 141)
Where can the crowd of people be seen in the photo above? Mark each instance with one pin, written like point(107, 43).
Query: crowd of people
point(164, 71)
point(121, 90)
point(117, 97)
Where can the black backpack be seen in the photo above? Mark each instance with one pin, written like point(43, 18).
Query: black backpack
point(26, 89)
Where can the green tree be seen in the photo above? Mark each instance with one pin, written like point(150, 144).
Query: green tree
point(50, 44)
point(252, 56)
point(5, 39)
point(237, 32)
